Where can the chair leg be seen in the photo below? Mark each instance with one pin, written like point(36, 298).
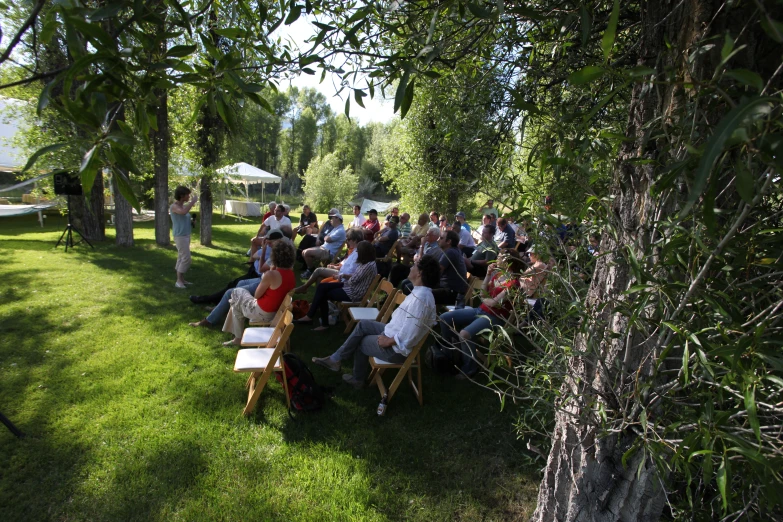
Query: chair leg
point(255, 390)
point(398, 379)
point(285, 384)
point(379, 382)
point(349, 326)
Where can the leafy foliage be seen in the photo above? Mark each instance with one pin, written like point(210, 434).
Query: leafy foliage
point(327, 186)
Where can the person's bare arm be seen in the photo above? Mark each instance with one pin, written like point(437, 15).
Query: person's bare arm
point(269, 280)
point(184, 209)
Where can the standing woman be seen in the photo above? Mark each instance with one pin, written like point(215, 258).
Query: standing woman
point(351, 289)
point(262, 306)
point(180, 223)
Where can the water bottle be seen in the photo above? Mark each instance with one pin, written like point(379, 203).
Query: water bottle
point(382, 405)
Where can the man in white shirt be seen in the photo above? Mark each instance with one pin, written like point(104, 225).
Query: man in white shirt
point(391, 342)
point(358, 217)
point(342, 270)
point(274, 221)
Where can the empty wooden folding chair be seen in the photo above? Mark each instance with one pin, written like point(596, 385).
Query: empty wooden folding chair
point(371, 312)
point(413, 361)
point(266, 336)
point(261, 362)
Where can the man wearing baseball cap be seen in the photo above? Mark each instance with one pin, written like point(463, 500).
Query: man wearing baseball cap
point(332, 243)
point(371, 226)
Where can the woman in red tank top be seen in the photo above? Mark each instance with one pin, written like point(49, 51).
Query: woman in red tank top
point(262, 306)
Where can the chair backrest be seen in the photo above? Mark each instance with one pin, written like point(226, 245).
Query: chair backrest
point(275, 338)
point(370, 290)
point(387, 311)
point(385, 287)
point(285, 306)
point(474, 285)
point(392, 250)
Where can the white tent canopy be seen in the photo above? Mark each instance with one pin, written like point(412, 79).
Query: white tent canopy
point(249, 175)
point(380, 206)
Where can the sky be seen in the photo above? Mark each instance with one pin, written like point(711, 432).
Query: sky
point(377, 109)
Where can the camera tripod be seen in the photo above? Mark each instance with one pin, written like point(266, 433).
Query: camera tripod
point(68, 232)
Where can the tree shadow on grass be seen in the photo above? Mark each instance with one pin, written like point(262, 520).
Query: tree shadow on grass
point(457, 447)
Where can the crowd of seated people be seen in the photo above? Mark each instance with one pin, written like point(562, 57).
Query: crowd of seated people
point(434, 261)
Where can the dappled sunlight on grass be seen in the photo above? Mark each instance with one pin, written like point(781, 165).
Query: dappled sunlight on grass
point(133, 415)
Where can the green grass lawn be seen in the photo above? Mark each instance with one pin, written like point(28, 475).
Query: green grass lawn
point(133, 415)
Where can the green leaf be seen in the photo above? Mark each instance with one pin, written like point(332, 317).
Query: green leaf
point(40, 152)
point(89, 168)
point(124, 186)
point(640, 71)
point(728, 46)
point(714, 147)
point(586, 75)
point(348, 107)
point(180, 51)
point(643, 420)
point(358, 94)
point(587, 23)
point(407, 99)
point(105, 12)
point(479, 11)
point(750, 406)
point(746, 77)
point(686, 361)
point(773, 28)
point(720, 478)
point(607, 41)
point(400, 94)
point(230, 32)
point(293, 15)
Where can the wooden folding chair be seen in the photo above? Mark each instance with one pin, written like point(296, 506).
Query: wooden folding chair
point(474, 286)
point(284, 307)
point(345, 305)
point(399, 297)
point(412, 361)
point(371, 311)
point(261, 362)
point(266, 336)
point(389, 255)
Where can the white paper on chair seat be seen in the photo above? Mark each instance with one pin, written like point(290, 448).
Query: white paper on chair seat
point(380, 361)
point(252, 359)
point(363, 314)
point(257, 336)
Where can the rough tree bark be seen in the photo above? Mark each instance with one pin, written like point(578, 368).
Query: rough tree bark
point(585, 478)
point(87, 212)
point(160, 142)
point(123, 217)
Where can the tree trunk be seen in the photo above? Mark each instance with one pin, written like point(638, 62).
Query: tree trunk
point(160, 141)
point(585, 478)
point(123, 217)
point(93, 225)
point(205, 202)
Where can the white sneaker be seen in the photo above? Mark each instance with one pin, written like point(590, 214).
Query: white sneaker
point(179, 285)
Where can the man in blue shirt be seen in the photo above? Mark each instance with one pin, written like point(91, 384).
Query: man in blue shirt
point(332, 243)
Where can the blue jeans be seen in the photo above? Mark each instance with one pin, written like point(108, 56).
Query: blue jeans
point(363, 344)
point(218, 314)
point(324, 293)
point(472, 321)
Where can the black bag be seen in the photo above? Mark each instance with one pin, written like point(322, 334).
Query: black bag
point(305, 394)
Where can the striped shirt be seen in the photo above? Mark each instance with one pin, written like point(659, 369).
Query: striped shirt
point(357, 285)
